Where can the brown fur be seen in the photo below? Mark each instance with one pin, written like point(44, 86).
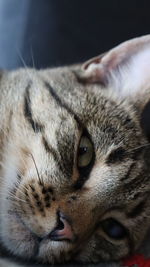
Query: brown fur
point(43, 116)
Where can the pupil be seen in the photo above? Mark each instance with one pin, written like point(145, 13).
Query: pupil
point(114, 229)
point(82, 150)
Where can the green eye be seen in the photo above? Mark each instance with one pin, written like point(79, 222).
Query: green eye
point(85, 152)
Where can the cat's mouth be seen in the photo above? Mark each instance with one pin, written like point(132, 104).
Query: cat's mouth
point(25, 245)
point(50, 238)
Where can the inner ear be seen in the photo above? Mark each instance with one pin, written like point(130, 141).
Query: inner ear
point(92, 71)
point(125, 68)
point(145, 120)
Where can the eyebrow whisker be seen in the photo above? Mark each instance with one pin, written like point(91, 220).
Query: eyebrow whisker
point(139, 147)
point(40, 180)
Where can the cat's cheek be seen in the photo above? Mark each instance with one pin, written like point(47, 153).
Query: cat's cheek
point(16, 238)
point(87, 253)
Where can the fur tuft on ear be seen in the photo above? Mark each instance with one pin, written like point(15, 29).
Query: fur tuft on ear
point(126, 68)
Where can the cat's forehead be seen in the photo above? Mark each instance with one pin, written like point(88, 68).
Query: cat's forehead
point(106, 119)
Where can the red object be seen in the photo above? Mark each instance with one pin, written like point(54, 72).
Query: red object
point(137, 260)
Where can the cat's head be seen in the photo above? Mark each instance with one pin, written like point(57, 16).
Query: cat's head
point(75, 172)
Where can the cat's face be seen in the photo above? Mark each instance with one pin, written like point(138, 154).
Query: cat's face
point(75, 175)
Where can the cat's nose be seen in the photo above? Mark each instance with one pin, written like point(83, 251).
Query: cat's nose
point(63, 229)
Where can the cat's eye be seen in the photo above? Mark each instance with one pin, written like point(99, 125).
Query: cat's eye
point(114, 229)
point(85, 152)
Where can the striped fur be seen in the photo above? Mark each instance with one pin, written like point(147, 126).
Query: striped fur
point(43, 116)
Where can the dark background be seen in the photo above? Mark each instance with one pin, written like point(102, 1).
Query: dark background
point(57, 32)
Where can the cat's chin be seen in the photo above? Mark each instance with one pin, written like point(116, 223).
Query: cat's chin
point(54, 252)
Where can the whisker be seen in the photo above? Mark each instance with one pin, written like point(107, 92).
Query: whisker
point(16, 198)
point(139, 147)
point(21, 57)
point(40, 180)
point(31, 50)
point(19, 189)
point(23, 61)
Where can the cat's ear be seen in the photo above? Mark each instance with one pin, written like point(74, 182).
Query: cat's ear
point(125, 68)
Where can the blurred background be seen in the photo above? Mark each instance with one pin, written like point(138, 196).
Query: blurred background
point(45, 33)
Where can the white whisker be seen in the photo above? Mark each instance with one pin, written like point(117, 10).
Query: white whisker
point(33, 63)
point(23, 61)
point(138, 147)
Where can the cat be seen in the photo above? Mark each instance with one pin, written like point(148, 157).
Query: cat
point(75, 169)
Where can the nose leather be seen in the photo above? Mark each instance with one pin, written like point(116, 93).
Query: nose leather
point(63, 230)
